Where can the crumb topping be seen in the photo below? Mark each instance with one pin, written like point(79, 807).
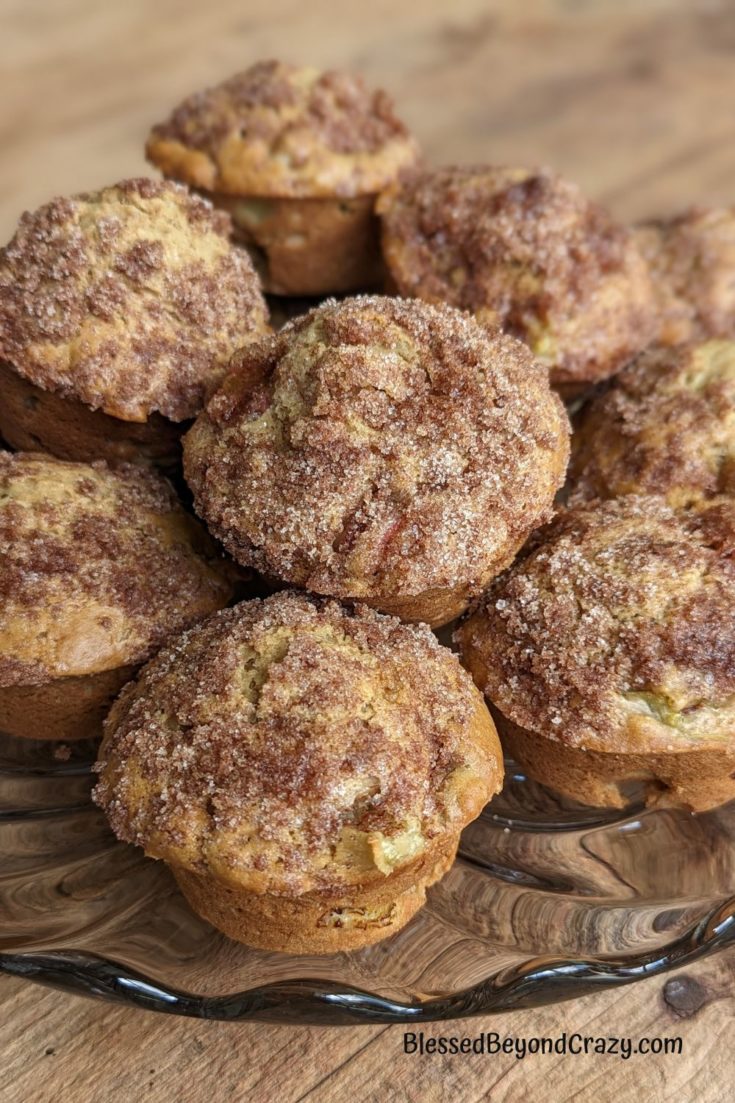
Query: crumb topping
point(665, 425)
point(281, 739)
point(130, 299)
point(692, 262)
point(525, 250)
point(379, 447)
point(97, 567)
point(283, 130)
point(616, 628)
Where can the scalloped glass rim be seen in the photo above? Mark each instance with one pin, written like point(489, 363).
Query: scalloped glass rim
point(536, 982)
point(88, 915)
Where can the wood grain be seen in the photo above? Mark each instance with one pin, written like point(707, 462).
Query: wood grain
point(633, 98)
point(60, 1047)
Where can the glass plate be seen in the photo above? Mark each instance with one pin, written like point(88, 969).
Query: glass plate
point(546, 901)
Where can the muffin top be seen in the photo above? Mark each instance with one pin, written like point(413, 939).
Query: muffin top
point(97, 567)
point(525, 250)
point(378, 447)
point(291, 744)
point(692, 262)
point(615, 632)
point(665, 425)
point(130, 300)
point(284, 131)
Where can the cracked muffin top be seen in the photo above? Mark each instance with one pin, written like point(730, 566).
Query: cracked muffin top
point(379, 447)
point(615, 632)
point(665, 425)
point(525, 250)
point(130, 300)
point(292, 744)
point(284, 131)
point(692, 262)
point(97, 567)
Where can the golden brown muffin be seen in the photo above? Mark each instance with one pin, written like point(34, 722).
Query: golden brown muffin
point(665, 425)
point(382, 450)
point(296, 157)
point(118, 310)
point(609, 653)
point(523, 249)
point(98, 567)
point(304, 768)
point(692, 262)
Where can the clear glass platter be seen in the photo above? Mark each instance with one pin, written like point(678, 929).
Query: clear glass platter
point(547, 901)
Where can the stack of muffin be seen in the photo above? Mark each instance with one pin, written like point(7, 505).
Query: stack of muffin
point(382, 465)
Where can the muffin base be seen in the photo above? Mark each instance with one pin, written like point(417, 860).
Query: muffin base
point(34, 420)
point(695, 778)
point(433, 607)
point(62, 708)
point(318, 922)
point(308, 246)
point(570, 391)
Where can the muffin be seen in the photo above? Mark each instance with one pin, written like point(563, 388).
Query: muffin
point(304, 769)
point(665, 425)
point(297, 157)
point(609, 654)
point(523, 249)
point(692, 262)
point(118, 309)
point(98, 567)
point(380, 450)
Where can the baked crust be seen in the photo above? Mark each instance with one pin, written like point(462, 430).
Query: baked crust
point(319, 922)
point(614, 633)
point(97, 568)
point(665, 425)
point(34, 420)
point(692, 262)
point(698, 779)
point(61, 709)
point(284, 131)
point(525, 250)
point(381, 450)
point(309, 246)
point(130, 300)
point(294, 748)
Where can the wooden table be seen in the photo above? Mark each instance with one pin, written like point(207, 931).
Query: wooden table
point(633, 98)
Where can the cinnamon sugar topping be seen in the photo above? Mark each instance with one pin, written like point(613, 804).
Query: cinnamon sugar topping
point(615, 632)
point(692, 263)
point(379, 447)
point(281, 739)
point(524, 250)
point(280, 130)
point(130, 299)
point(97, 567)
point(665, 425)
